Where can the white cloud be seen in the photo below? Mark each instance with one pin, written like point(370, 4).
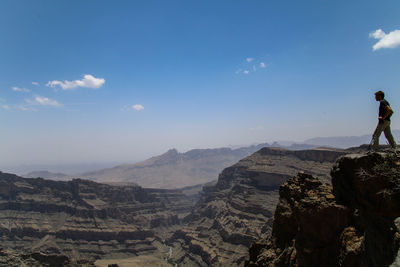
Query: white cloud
point(251, 65)
point(378, 34)
point(88, 81)
point(138, 107)
point(17, 89)
point(4, 106)
point(35, 83)
point(390, 40)
point(44, 101)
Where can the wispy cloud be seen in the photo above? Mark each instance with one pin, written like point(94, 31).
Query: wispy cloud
point(46, 101)
point(250, 65)
point(3, 105)
point(88, 81)
point(35, 83)
point(138, 107)
point(43, 101)
point(18, 89)
point(390, 40)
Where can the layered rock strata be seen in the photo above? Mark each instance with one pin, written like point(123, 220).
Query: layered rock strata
point(118, 224)
point(84, 219)
point(238, 209)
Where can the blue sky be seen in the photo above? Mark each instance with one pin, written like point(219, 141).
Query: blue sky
point(199, 73)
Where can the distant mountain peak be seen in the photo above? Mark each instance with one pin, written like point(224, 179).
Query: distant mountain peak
point(172, 151)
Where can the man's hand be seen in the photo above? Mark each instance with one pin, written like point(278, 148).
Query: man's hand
point(380, 118)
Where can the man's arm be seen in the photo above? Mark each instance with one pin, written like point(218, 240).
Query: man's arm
point(389, 112)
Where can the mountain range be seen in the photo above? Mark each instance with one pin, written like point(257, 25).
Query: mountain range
point(169, 170)
point(195, 167)
point(87, 220)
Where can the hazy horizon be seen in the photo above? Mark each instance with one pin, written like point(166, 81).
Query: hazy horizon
point(100, 82)
point(76, 168)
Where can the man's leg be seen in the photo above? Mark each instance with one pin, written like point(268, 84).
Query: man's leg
point(388, 134)
point(376, 135)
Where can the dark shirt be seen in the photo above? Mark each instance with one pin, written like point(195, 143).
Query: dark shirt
point(383, 109)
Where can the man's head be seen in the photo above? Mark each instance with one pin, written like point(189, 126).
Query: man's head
point(379, 95)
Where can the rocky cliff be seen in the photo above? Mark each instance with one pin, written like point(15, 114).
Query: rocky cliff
point(141, 227)
point(84, 219)
point(351, 223)
point(238, 208)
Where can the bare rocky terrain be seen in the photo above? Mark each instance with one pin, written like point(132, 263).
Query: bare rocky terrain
point(133, 226)
point(352, 223)
point(84, 219)
point(239, 208)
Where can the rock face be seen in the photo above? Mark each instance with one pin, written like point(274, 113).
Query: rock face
point(349, 224)
point(137, 226)
point(84, 219)
point(239, 207)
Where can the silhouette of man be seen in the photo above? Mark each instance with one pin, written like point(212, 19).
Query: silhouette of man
point(385, 112)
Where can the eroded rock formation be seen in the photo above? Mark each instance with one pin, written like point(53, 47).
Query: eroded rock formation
point(238, 209)
point(84, 219)
point(349, 224)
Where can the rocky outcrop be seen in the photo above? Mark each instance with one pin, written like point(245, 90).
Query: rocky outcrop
point(306, 229)
point(348, 224)
point(238, 208)
point(370, 184)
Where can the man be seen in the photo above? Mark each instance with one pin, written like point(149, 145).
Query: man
point(385, 112)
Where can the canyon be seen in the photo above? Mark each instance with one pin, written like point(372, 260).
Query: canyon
point(249, 206)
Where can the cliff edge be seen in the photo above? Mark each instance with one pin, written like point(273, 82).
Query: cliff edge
point(351, 223)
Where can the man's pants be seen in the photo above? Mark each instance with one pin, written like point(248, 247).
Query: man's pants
point(385, 128)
